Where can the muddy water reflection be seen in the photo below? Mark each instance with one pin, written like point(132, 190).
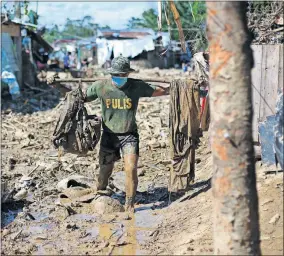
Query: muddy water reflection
point(125, 237)
point(131, 241)
point(117, 234)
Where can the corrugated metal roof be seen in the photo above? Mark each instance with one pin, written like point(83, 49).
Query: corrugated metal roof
point(149, 30)
point(126, 33)
point(87, 40)
point(16, 21)
point(64, 41)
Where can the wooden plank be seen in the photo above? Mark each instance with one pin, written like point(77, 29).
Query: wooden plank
point(12, 29)
point(263, 83)
point(269, 86)
point(280, 75)
point(18, 42)
point(89, 80)
point(267, 79)
point(271, 82)
point(256, 87)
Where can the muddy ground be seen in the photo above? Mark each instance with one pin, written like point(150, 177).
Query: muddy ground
point(162, 224)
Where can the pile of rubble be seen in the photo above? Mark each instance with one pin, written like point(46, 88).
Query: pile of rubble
point(265, 21)
point(32, 169)
point(32, 99)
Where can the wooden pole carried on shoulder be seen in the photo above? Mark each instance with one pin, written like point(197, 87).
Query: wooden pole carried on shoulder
point(90, 80)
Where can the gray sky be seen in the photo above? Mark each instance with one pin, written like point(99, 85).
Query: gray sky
point(114, 14)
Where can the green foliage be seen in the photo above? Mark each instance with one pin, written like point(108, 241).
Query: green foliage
point(135, 23)
point(52, 34)
point(105, 27)
point(193, 20)
point(148, 20)
point(26, 7)
point(24, 10)
point(80, 28)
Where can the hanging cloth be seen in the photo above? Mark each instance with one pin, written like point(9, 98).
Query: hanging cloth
point(184, 132)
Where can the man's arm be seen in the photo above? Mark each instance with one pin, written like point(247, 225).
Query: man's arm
point(160, 91)
point(91, 93)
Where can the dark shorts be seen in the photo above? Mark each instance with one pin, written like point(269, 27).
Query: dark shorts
point(112, 144)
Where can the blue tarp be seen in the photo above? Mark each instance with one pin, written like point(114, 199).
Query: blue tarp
point(271, 136)
point(8, 59)
point(186, 56)
point(266, 137)
point(279, 131)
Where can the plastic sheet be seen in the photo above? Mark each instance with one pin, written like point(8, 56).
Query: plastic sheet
point(279, 131)
point(8, 59)
point(126, 48)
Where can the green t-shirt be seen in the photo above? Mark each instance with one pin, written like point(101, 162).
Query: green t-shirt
point(119, 105)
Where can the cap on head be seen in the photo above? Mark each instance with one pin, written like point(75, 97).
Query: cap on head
point(120, 65)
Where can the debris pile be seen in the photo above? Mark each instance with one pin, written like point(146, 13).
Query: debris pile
point(265, 20)
point(47, 202)
point(36, 179)
point(28, 155)
point(32, 99)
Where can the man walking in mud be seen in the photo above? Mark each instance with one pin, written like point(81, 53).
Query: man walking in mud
point(119, 100)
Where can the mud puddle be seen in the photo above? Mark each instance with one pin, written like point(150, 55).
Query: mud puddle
point(119, 237)
point(9, 212)
point(126, 237)
point(81, 233)
point(9, 216)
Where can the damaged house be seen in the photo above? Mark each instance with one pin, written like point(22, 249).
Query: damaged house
point(142, 46)
point(11, 51)
point(35, 55)
point(24, 52)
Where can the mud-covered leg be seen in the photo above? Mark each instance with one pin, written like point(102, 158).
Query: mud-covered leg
point(106, 161)
point(131, 183)
point(104, 175)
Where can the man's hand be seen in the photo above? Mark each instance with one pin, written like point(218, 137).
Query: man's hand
point(160, 91)
point(51, 79)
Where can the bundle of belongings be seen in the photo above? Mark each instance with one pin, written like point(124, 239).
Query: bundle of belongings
point(201, 68)
point(201, 74)
point(184, 131)
point(76, 132)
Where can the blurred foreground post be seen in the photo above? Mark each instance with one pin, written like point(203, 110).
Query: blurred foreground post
point(236, 223)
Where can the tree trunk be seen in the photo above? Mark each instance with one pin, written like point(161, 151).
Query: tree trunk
point(236, 221)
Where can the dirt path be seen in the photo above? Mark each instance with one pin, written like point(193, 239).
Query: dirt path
point(41, 227)
point(187, 226)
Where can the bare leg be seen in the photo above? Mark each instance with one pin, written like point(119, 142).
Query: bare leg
point(130, 167)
